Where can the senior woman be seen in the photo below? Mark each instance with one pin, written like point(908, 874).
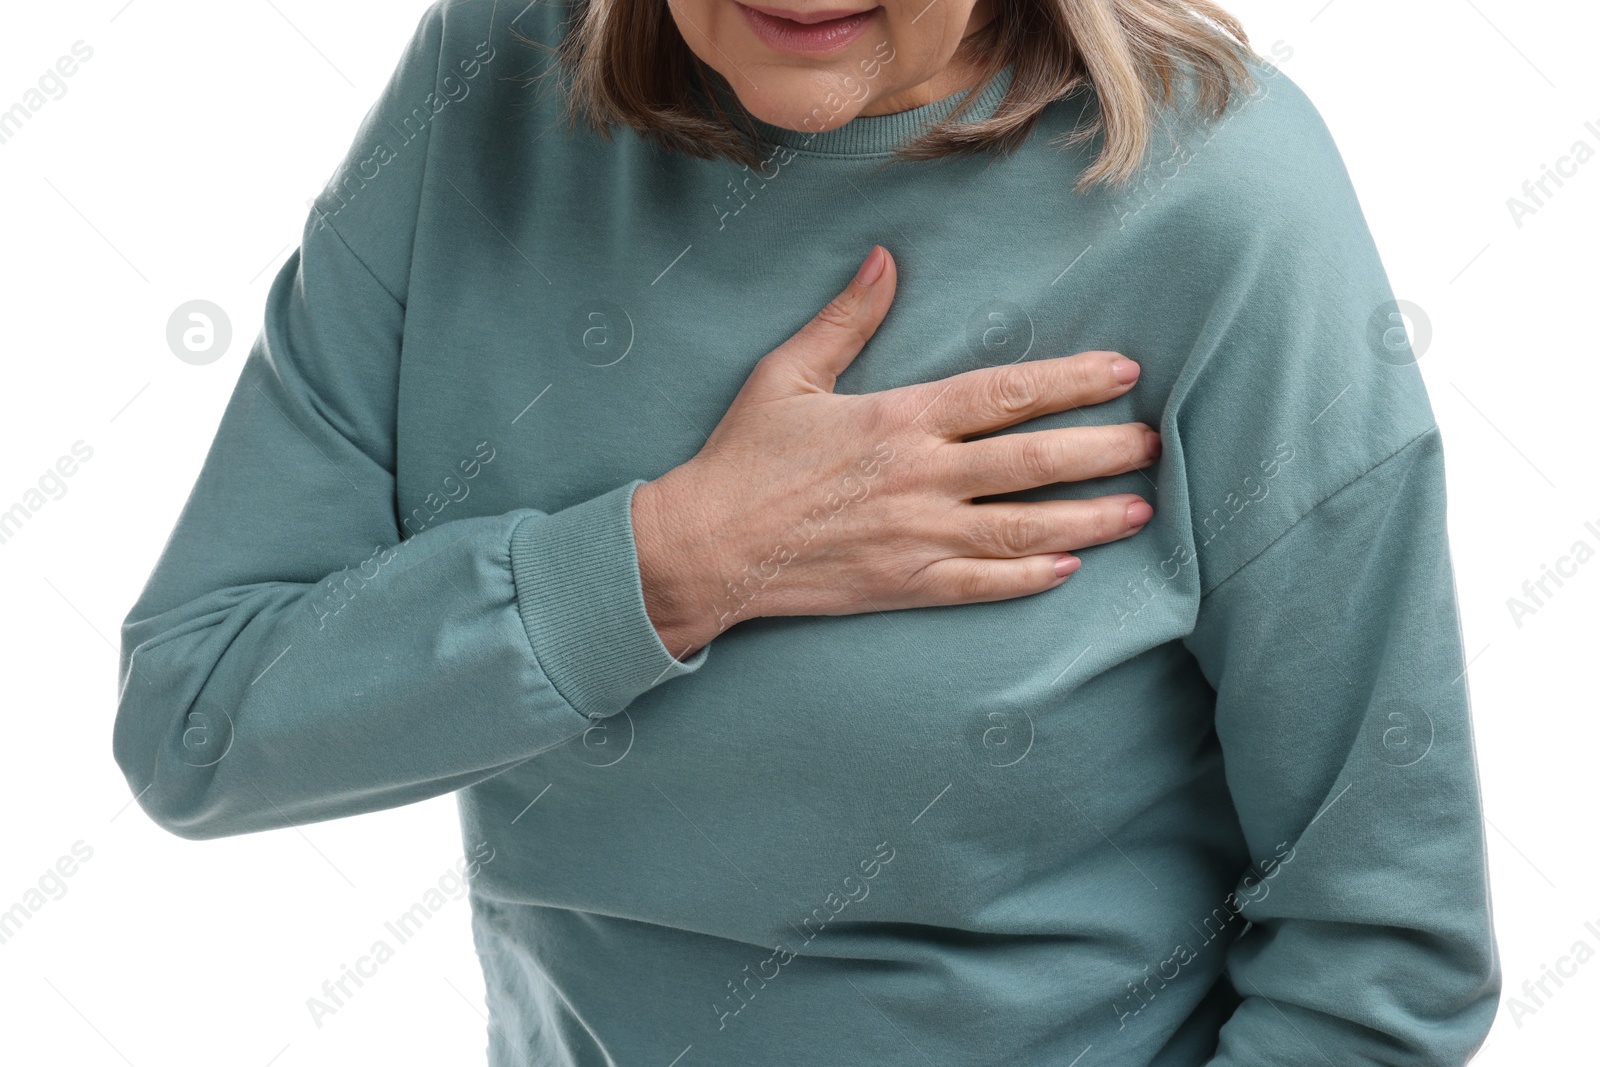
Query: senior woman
point(575, 472)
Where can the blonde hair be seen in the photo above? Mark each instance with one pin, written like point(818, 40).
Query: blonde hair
point(626, 62)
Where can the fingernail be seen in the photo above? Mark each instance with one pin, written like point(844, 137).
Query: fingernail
point(1139, 513)
point(1065, 565)
point(1152, 443)
point(871, 268)
point(1124, 370)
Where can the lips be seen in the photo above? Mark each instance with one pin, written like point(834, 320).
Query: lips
point(806, 18)
point(814, 33)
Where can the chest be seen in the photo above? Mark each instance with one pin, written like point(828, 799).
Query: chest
point(560, 361)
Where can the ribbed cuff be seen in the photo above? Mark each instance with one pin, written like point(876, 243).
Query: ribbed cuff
point(580, 598)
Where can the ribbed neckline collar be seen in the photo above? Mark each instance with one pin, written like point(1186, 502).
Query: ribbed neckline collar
point(879, 135)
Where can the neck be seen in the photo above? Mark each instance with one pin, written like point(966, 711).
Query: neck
point(953, 78)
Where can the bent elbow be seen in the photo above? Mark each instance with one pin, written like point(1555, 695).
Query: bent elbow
point(169, 759)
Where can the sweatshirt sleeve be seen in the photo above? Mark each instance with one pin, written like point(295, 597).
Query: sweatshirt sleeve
point(294, 656)
point(1342, 712)
point(1305, 456)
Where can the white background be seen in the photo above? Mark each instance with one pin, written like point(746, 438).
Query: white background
point(177, 166)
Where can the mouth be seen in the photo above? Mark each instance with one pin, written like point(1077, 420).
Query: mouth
point(812, 33)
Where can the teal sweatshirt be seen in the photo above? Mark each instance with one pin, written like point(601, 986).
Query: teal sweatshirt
point(1211, 801)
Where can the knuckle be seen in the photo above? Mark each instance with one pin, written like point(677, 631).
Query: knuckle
point(967, 582)
point(1009, 535)
point(919, 584)
point(1011, 392)
point(840, 314)
point(1086, 368)
point(892, 409)
point(1087, 374)
point(1025, 532)
point(981, 536)
point(1036, 458)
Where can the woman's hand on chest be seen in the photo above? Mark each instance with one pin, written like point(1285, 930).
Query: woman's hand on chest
point(808, 502)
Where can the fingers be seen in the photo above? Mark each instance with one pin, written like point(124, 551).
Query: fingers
point(992, 398)
point(820, 351)
point(1011, 530)
point(1016, 461)
point(975, 581)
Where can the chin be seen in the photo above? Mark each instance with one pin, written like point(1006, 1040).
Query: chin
point(796, 99)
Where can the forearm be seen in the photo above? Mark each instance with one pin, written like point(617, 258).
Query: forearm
point(1343, 713)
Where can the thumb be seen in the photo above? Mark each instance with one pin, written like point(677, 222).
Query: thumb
point(820, 351)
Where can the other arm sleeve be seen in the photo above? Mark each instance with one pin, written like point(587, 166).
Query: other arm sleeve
point(1342, 711)
point(293, 658)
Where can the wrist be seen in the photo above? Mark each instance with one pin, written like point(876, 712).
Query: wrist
point(673, 568)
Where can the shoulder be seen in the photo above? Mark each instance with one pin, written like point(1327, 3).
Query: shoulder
point(1265, 172)
point(1293, 355)
point(449, 27)
point(456, 83)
